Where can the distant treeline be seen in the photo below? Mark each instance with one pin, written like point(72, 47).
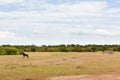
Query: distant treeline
point(16, 49)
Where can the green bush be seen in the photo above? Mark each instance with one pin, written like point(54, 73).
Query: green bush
point(2, 51)
point(9, 51)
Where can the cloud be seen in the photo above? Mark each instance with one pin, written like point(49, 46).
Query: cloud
point(12, 38)
point(40, 22)
point(96, 32)
point(80, 7)
point(6, 35)
point(65, 13)
point(3, 2)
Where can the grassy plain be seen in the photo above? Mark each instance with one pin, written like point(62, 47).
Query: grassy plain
point(42, 65)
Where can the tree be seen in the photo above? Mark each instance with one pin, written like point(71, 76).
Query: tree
point(33, 49)
point(2, 51)
point(11, 51)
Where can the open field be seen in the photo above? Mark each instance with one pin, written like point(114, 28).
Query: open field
point(47, 65)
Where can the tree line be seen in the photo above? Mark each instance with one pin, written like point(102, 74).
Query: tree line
point(17, 49)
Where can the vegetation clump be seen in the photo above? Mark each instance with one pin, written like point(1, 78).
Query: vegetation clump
point(17, 49)
point(9, 51)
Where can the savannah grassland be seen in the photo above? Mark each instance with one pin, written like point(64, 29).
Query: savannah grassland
point(42, 65)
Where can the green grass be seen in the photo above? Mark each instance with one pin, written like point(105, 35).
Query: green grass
point(46, 64)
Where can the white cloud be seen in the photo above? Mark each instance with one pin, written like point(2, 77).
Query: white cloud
point(6, 35)
point(96, 32)
point(79, 7)
point(3, 2)
point(62, 12)
point(54, 22)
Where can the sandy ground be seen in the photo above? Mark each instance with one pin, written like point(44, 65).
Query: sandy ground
point(88, 77)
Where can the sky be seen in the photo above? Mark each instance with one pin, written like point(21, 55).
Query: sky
point(54, 22)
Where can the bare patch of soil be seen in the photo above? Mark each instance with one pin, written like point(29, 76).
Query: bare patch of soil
point(88, 77)
point(28, 79)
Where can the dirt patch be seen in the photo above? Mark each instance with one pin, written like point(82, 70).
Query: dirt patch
point(28, 79)
point(88, 77)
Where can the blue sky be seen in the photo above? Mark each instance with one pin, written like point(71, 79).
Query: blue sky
point(53, 22)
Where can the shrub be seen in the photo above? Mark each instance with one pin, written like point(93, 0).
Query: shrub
point(2, 51)
point(9, 51)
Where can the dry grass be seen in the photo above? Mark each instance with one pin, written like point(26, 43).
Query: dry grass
point(46, 64)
